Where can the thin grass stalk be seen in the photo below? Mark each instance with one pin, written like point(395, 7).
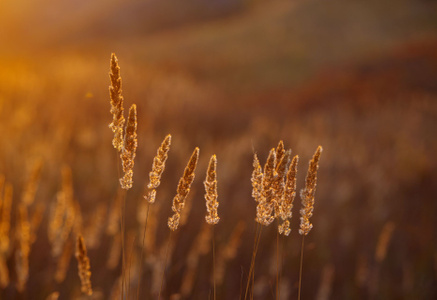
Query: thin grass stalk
point(300, 268)
point(130, 266)
point(277, 264)
point(251, 276)
point(123, 246)
point(256, 251)
point(165, 263)
point(213, 261)
point(142, 251)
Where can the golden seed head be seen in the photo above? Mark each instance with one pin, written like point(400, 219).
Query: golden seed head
point(182, 190)
point(116, 104)
point(280, 151)
point(83, 266)
point(257, 179)
point(307, 193)
point(211, 194)
point(278, 184)
point(286, 204)
point(158, 167)
point(265, 207)
point(130, 144)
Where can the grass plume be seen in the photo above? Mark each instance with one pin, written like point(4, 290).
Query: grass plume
point(307, 194)
point(286, 204)
point(117, 109)
point(182, 190)
point(130, 144)
point(83, 264)
point(211, 195)
point(158, 167)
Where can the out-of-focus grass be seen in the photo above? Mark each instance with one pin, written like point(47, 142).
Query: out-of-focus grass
point(358, 79)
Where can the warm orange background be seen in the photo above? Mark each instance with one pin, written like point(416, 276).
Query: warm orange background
point(234, 77)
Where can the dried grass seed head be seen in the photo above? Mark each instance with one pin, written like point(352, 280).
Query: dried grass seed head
point(265, 207)
point(117, 109)
point(83, 266)
point(257, 179)
point(182, 190)
point(278, 184)
point(308, 192)
point(286, 205)
point(128, 153)
point(158, 167)
point(211, 194)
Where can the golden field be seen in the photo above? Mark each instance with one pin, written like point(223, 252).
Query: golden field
point(232, 78)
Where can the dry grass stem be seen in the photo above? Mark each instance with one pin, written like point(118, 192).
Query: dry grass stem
point(94, 229)
point(229, 251)
point(211, 195)
point(118, 120)
point(113, 225)
point(22, 253)
point(307, 193)
point(114, 252)
point(158, 167)
point(183, 190)
point(129, 149)
point(201, 246)
point(83, 266)
point(5, 223)
point(32, 184)
point(63, 214)
point(35, 221)
point(152, 227)
point(286, 204)
point(384, 241)
point(64, 262)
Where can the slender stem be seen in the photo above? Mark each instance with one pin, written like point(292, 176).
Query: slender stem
point(256, 251)
point(142, 251)
point(123, 258)
point(213, 259)
point(252, 262)
point(122, 229)
point(130, 266)
point(282, 242)
point(300, 271)
point(277, 265)
point(165, 264)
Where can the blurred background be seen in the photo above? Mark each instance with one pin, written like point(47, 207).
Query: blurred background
point(233, 77)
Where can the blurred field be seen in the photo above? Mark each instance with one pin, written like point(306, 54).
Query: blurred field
point(233, 78)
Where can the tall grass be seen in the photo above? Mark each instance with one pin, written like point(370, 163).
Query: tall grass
point(273, 189)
